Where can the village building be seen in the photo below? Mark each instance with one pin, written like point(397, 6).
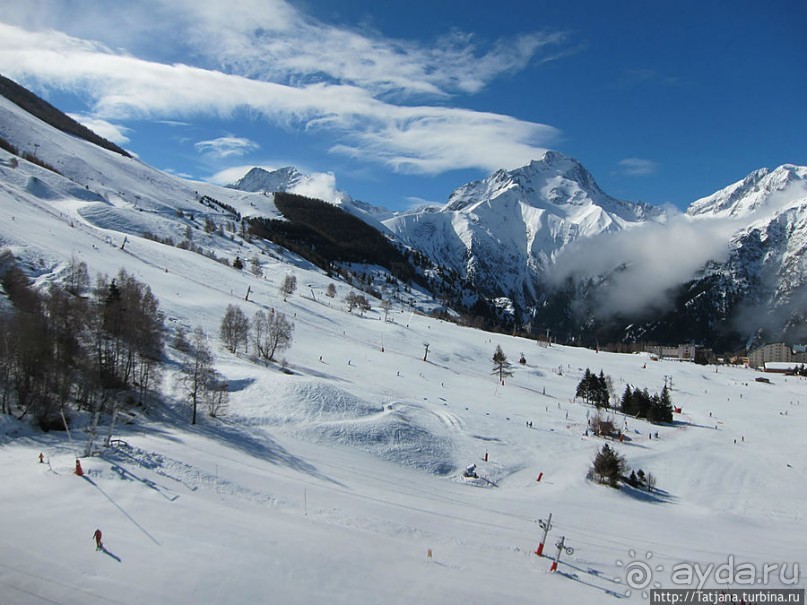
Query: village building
point(778, 357)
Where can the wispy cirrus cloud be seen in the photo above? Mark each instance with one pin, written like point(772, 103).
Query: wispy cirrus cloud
point(272, 40)
point(226, 147)
point(637, 167)
point(112, 132)
point(424, 139)
point(267, 58)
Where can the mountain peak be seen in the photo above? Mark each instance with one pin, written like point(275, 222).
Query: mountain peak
point(763, 189)
point(260, 179)
point(555, 179)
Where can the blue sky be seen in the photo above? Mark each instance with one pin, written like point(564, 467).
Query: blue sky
point(401, 102)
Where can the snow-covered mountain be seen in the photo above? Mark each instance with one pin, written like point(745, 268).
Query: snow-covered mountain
point(763, 191)
point(497, 236)
point(502, 233)
point(500, 236)
point(260, 179)
point(762, 284)
point(765, 273)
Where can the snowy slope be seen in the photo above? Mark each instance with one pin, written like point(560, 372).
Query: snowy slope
point(332, 480)
point(108, 177)
point(504, 231)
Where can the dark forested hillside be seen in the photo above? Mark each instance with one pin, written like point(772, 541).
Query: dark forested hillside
point(49, 114)
point(326, 234)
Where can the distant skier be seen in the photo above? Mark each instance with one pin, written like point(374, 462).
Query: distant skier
point(97, 535)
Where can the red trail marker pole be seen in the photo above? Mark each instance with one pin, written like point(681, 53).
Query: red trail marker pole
point(561, 547)
point(546, 526)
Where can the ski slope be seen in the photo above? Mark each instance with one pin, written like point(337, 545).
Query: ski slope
point(336, 473)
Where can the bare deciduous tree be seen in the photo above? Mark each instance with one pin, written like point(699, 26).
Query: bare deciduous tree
point(77, 279)
point(288, 285)
point(234, 330)
point(357, 301)
point(272, 333)
point(198, 370)
point(217, 395)
point(255, 266)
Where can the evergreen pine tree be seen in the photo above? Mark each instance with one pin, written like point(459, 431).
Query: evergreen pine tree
point(599, 390)
point(608, 466)
point(500, 364)
point(584, 386)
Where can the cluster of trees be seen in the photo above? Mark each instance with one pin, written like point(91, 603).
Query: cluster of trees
point(100, 348)
point(269, 333)
point(67, 346)
point(598, 389)
point(640, 403)
point(609, 468)
point(595, 388)
point(354, 300)
point(639, 479)
point(212, 202)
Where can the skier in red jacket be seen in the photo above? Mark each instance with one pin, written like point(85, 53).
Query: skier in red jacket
point(97, 535)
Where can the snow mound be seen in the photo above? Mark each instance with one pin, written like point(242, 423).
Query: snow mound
point(39, 188)
point(320, 401)
point(303, 403)
point(393, 436)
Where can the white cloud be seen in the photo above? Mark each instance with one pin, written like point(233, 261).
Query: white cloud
point(226, 147)
point(421, 139)
point(183, 175)
point(415, 204)
point(644, 262)
point(637, 167)
point(320, 185)
point(112, 132)
point(273, 40)
point(431, 140)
